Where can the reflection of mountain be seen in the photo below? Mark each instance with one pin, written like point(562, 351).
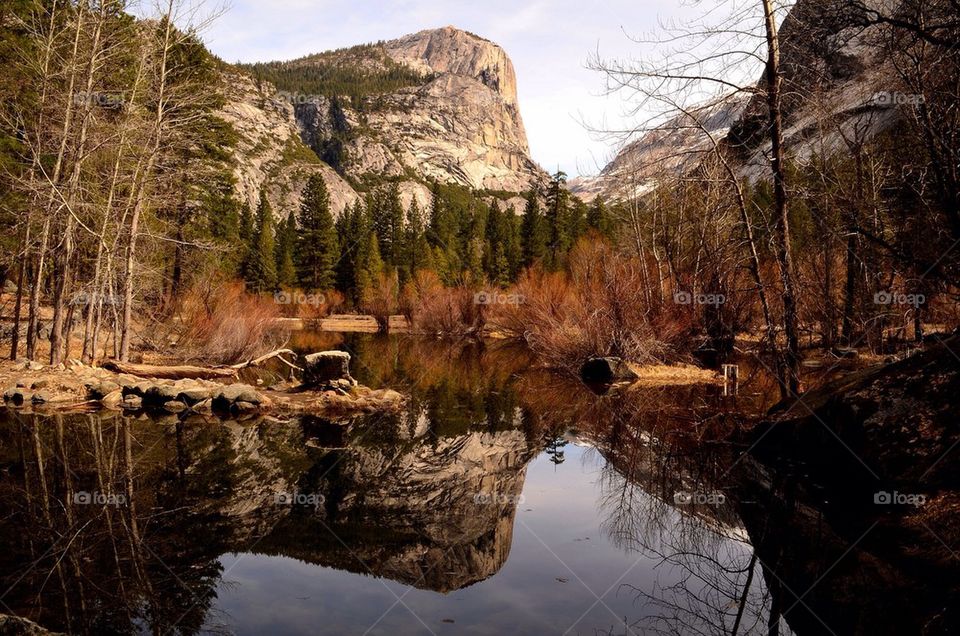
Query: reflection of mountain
point(432, 513)
point(399, 502)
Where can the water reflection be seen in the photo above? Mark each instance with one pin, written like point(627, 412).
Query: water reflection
point(503, 498)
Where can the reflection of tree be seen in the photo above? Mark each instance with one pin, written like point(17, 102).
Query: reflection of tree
point(650, 455)
point(119, 556)
point(555, 450)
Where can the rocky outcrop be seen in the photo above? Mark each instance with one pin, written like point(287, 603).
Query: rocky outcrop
point(270, 154)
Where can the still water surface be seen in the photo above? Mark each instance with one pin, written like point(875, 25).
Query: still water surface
point(502, 500)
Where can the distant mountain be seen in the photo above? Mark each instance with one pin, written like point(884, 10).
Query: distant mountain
point(838, 87)
point(671, 149)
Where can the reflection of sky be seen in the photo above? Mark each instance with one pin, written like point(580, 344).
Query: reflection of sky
point(556, 536)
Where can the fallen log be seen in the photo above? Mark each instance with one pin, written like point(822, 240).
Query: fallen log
point(190, 372)
point(168, 372)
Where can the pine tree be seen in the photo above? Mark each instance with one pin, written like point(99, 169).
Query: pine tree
point(318, 247)
point(246, 233)
point(387, 215)
point(557, 220)
point(417, 248)
point(370, 268)
point(262, 272)
point(598, 218)
point(352, 232)
point(286, 245)
point(532, 241)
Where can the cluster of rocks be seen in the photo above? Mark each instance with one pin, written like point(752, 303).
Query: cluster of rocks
point(27, 393)
point(327, 387)
point(175, 396)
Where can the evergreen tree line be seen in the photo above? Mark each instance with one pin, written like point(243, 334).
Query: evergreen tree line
point(462, 237)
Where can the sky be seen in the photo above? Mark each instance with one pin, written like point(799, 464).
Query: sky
point(549, 42)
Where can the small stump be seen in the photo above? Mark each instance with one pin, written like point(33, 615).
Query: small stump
point(327, 368)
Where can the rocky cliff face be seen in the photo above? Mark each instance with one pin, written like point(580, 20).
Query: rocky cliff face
point(837, 87)
point(270, 153)
point(670, 150)
point(443, 509)
point(463, 125)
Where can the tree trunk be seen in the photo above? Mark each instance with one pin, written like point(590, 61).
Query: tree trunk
point(790, 358)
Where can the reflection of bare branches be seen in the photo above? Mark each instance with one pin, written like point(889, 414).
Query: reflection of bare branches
point(713, 585)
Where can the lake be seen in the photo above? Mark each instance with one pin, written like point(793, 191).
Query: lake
point(503, 499)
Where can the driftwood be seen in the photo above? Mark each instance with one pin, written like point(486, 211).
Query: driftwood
point(190, 372)
point(167, 372)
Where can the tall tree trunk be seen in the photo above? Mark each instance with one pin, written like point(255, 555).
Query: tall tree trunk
point(790, 358)
point(157, 131)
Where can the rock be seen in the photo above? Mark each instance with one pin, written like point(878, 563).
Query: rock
point(14, 395)
point(203, 407)
point(97, 390)
point(17, 626)
point(326, 367)
point(34, 366)
point(160, 393)
point(132, 402)
point(244, 407)
point(174, 406)
point(194, 395)
point(39, 384)
point(114, 398)
point(224, 398)
point(606, 371)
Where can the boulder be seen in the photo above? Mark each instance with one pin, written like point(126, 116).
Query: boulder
point(15, 395)
point(114, 398)
point(606, 371)
point(325, 368)
point(174, 406)
point(99, 390)
point(132, 402)
point(226, 397)
point(194, 395)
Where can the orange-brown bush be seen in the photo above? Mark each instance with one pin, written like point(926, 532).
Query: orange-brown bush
point(382, 300)
point(221, 323)
point(598, 308)
point(434, 309)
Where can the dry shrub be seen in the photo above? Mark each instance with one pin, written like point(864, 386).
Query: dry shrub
point(382, 300)
point(598, 308)
point(434, 309)
point(222, 324)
